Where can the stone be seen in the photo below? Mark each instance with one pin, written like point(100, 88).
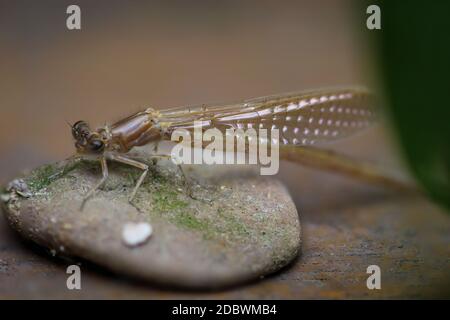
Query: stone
point(235, 226)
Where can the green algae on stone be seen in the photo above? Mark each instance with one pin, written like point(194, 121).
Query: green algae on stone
point(166, 199)
point(40, 178)
point(233, 224)
point(166, 202)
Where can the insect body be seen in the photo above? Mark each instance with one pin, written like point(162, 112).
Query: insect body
point(304, 118)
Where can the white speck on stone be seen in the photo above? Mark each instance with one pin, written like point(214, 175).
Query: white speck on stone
point(134, 234)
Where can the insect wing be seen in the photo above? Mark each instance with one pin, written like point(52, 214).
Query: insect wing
point(303, 118)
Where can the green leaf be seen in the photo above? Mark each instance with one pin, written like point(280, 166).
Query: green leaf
point(413, 47)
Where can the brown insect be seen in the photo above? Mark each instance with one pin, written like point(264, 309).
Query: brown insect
point(303, 118)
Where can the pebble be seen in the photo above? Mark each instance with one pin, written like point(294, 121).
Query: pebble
point(215, 239)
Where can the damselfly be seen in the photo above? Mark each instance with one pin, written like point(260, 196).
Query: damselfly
point(303, 118)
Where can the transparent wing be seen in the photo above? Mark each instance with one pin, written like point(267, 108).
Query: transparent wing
point(302, 118)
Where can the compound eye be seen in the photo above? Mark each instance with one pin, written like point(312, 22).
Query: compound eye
point(80, 130)
point(96, 145)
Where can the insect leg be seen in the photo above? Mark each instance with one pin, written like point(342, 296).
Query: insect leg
point(155, 147)
point(136, 164)
point(102, 180)
point(186, 183)
point(69, 164)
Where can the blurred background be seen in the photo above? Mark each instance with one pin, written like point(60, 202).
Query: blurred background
point(135, 54)
point(132, 55)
